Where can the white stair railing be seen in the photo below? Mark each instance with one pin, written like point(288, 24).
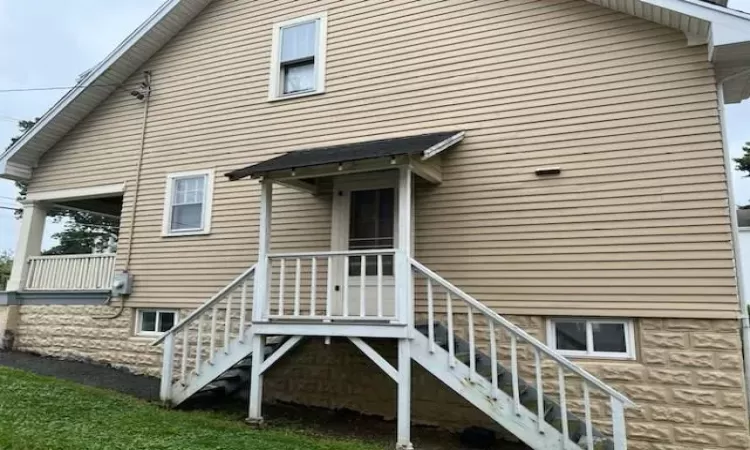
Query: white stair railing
point(199, 338)
point(442, 298)
point(332, 285)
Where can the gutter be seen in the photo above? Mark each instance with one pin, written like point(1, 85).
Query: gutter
point(744, 312)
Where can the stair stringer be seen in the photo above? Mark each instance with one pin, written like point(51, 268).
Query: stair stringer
point(523, 425)
point(211, 370)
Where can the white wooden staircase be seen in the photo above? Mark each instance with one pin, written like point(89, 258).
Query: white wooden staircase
point(529, 389)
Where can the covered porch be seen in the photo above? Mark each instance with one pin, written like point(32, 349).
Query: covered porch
point(38, 276)
point(364, 281)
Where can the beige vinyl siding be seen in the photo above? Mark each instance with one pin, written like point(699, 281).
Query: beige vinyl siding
point(636, 224)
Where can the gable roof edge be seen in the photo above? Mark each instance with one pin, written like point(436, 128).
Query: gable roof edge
point(89, 85)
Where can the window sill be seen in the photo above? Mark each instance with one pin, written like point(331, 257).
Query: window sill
point(293, 96)
point(606, 357)
point(146, 337)
point(186, 233)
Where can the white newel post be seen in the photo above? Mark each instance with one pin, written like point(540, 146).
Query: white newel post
point(404, 287)
point(167, 369)
point(260, 301)
point(29, 243)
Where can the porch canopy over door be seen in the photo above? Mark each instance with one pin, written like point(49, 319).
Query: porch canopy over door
point(301, 168)
point(354, 290)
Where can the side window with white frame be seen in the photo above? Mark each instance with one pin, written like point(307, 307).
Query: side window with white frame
point(298, 57)
point(187, 203)
point(596, 338)
point(152, 322)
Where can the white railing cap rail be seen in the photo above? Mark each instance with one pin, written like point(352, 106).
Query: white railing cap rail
point(386, 251)
point(522, 334)
point(87, 255)
point(216, 298)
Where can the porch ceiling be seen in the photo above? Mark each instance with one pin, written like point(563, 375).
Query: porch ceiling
point(426, 145)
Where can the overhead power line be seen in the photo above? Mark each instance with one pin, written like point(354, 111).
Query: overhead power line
point(57, 88)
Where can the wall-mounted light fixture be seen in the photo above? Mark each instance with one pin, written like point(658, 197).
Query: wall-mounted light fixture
point(547, 171)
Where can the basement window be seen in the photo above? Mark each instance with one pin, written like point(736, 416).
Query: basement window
point(153, 322)
point(298, 54)
point(595, 338)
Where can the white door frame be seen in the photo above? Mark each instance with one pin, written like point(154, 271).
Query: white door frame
point(340, 215)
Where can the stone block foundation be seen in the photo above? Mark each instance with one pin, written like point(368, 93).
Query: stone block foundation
point(687, 378)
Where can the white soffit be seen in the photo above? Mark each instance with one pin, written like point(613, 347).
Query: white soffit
point(726, 31)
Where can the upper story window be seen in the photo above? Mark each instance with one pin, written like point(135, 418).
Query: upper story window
point(598, 338)
point(187, 203)
point(298, 57)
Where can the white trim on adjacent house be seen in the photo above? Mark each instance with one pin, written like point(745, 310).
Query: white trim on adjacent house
point(138, 322)
point(107, 190)
point(275, 84)
point(208, 192)
point(629, 330)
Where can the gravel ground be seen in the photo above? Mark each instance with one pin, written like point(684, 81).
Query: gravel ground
point(317, 420)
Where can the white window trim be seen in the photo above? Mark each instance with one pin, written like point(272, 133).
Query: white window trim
point(139, 311)
point(274, 85)
point(208, 195)
point(629, 354)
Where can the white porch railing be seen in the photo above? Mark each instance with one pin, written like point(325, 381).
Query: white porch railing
point(483, 328)
point(70, 272)
point(198, 340)
point(337, 285)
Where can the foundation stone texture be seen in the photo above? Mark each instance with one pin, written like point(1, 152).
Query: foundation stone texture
point(687, 378)
point(73, 332)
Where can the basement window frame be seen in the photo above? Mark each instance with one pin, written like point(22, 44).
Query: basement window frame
point(157, 321)
point(206, 205)
point(276, 82)
point(590, 352)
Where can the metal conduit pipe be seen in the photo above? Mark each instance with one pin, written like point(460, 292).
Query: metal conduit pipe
point(144, 94)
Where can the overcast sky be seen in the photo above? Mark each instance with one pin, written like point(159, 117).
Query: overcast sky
point(50, 42)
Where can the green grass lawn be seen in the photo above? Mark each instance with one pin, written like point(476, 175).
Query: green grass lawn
point(45, 413)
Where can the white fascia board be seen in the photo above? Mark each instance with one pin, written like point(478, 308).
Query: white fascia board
point(90, 78)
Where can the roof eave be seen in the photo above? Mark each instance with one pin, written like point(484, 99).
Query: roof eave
point(18, 160)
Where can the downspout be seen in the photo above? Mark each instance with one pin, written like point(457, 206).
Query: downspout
point(146, 92)
point(745, 328)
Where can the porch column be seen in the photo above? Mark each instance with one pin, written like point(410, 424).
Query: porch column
point(404, 287)
point(260, 302)
point(29, 243)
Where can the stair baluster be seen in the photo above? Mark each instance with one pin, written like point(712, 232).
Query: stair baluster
point(192, 367)
point(503, 386)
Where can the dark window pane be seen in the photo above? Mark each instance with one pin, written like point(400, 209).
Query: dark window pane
point(571, 335)
point(299, 77)
point(148, 321)
point(609, 337)
point(371, 265)
point(187, 217)
point(371, 221)
point(167, 321)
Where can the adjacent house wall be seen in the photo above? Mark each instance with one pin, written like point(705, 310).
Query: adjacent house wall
point(609, 98)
